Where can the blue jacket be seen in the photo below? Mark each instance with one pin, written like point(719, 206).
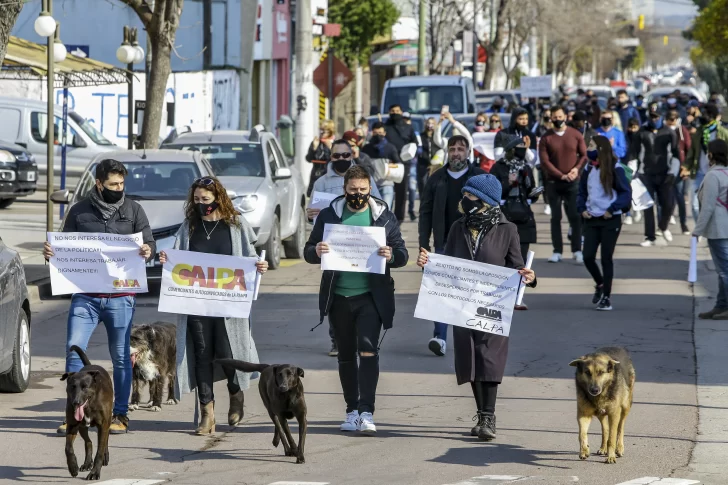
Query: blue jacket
point(629, 112)
point(619, 143)
point(622, 188)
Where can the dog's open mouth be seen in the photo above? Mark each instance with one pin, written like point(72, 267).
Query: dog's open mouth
point(79, 412)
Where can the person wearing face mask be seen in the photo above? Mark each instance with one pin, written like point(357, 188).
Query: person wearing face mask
point(498, 105)
point(540, 129)
point(399, 134)
point(358, 304)
point(363, 125)
point(494, 124)
point(562, 152)
point(429, 147)
point(381, 151)
point(517, 180)
point(614, 135)
point(106, 210)
point(639, 102)
point(684, 141)
point(482, 234)
point(213, 226)
point(439, 210)
point(626, 110)
point(604, 194)
point(517, 128)
point(713, 222)
point(319, 152)
point(481, 123)
point(581, 124)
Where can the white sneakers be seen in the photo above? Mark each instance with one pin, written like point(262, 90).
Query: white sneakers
point(437, 346)
point(555, 258)
point(647, 243)
point(667, 235)
point(672, 220)
point(366, 424)
point(363, 423)
point(638, 216)
point(579, 257)
point(547, 210)
point(628, 220)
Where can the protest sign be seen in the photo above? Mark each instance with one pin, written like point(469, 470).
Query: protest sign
point(208, 285)
point(89, 262)
point(536, 87)
point(468, 294)
point(354, 248)
point(321, 200)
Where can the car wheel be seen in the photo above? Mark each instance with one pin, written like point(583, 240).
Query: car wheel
point(5, 203)
point(273, 246)
point(18, 378)
point(295, 244)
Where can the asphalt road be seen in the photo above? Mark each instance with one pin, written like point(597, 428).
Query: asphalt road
point(423, 417)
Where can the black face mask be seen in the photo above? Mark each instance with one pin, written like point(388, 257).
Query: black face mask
point(395, 117)
point(376, 139)
point(606, 122)
point(520, 152)
point(206, 209)
point(357, 201)
point(559, 123)
point(341, 166)
point(111, 196)
point(470, 207)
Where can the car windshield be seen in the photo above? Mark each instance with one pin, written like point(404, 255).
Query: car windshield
point(159, 180)
point(426, 99)
point(94, 134)
point(231, 159)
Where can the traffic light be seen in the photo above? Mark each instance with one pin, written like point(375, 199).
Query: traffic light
point(641, 22)
point(665, 40)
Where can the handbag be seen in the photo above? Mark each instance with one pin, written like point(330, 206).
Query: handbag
point(641, 199)
point(517, 210)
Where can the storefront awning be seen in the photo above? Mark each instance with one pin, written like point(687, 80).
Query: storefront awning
point(28, 60)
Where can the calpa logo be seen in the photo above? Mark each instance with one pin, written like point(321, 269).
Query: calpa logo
point(126, 284)
point(487, 319)
point(219, 278)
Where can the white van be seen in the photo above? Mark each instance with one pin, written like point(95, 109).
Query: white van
point(426, 95)
point(24, 122)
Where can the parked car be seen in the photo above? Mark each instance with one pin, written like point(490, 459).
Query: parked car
point(18, 173)
point(657, 93)
point(159, 180)
point(484, 99)
point(426, 95)
point(265, 185)
point(601, 90)
point(15, 356)
point(25, 123)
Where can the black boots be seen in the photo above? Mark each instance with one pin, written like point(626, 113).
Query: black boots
point(485, 429)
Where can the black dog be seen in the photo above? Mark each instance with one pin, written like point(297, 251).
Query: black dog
point(282, 392)
point(89, 402)
point(153, 358)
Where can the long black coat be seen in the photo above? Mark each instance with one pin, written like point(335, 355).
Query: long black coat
point(481, 356)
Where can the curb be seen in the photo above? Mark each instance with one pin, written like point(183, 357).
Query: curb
point(39, 290)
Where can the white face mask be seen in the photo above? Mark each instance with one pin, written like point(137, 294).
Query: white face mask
point(673, 127)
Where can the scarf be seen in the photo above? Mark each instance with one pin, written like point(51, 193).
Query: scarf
point(515, 165)
point(107, 210)
point(709, 128)
point(480, 223)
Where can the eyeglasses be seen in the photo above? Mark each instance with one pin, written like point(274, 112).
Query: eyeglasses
point(204, 181)
point(336, 156)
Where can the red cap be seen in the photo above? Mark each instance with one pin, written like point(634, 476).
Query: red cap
point(352, 136)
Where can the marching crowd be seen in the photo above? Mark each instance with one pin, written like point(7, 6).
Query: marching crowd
point(470, 207)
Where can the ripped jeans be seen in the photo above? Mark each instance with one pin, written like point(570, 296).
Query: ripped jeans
point(357, 326)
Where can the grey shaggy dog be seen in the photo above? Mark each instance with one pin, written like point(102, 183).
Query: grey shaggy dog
point(154, 359)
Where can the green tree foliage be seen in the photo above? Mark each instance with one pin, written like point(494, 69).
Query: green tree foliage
point(637, 60)
point(710, 28)
point(361, 22)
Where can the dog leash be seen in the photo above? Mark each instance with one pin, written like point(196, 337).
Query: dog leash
point(380, 342)
point(319, 324)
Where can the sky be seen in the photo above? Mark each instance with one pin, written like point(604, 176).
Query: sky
point(674, 7)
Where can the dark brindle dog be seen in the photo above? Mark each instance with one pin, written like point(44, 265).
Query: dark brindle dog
point(281, 390)
point(89, 402)
point(153, 358)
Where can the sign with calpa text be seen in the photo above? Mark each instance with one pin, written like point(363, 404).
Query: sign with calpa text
point(208, 285)
point(468, 294)
point(354, 248)
point(87, 262)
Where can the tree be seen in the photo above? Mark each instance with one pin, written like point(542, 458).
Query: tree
point(361, 22)
point(9, 11)
point(710, 28)
point(161, 20)
point(518, 31)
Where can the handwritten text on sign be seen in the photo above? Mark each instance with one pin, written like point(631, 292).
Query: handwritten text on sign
point(467, 294)
point(87, 262)
point(209, 285)
point(354, 248)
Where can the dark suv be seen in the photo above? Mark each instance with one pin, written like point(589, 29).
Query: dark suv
point(18, 173)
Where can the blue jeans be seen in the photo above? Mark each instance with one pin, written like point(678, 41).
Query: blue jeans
point(680, 187)
point(440, 328)
point(412, 192)
point(387, 193)
point(695, 203)
point(117, 313)
point(719, 252)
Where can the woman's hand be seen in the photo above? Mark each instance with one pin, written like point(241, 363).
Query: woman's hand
point(315, 142)
point(385, 251)
point(262, 266)
point(47, 251)
point(145, 251)
point(528, 276)
point(322, 248)
point(422, 258)
point(162, 257)
point(586, 215)
point(607, 215)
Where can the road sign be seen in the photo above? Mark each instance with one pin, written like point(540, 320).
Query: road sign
point(342, 76)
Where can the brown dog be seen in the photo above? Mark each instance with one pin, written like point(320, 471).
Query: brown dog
point(281, 390)
point(604, 387)
point(89, 402)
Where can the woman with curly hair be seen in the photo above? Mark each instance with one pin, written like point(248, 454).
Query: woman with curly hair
point(212, 225)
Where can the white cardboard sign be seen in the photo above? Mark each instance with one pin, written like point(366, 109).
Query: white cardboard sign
point(536, 87)
point(354, 249)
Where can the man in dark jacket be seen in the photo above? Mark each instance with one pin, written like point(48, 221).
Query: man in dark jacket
point(429, 148)
point(400, 134)
point(518, 128)
point(439, 210)
point(106, 210)
point(580, 123)
point(379, 147)
point(358, 304)
point(626, 109)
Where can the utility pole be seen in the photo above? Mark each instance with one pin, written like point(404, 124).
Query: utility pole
point(475, 44)
point(544, 55)
point(207, 34)
point(51, 122)
point(247, 42)
point(421, 43)
point(305, 102)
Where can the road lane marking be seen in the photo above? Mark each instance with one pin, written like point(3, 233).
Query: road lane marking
point(287, 263)
point(660, 481)
point(130, 481)
point(299, 483)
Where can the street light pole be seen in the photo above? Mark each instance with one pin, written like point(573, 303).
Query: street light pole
point(51, 122)
point(129, 53)
point(421, 43)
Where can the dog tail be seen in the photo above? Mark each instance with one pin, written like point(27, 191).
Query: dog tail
point(241, 365)
point(80, 353)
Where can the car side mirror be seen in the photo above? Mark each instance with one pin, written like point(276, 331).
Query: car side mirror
point(232, 194)
point(77, 142)
point(283, 173)
point(61, 196)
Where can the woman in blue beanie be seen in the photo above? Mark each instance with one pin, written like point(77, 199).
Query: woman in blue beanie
point(484, 235)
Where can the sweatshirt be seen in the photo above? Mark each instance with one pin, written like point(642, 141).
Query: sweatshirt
point(560, 153)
